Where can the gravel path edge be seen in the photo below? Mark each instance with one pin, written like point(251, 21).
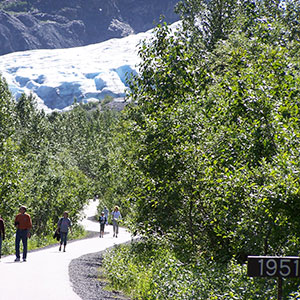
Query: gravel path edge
point(84, 277)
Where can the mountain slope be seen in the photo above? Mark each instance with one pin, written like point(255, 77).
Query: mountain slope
point(52, 24)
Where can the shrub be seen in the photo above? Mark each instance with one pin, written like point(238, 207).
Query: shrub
point(155, 273)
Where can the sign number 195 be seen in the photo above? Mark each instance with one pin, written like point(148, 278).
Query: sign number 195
point(272, 266)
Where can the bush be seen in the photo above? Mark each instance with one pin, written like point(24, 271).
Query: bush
point(155, 273)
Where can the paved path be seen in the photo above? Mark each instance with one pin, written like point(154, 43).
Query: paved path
point(45, 274)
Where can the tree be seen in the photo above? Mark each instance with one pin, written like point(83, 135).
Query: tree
point(209, 129)
point(31, 126)
point(10, 162)
point(7, 125)
point(208, 21)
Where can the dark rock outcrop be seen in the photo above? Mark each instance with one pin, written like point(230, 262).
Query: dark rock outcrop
point(51, 24)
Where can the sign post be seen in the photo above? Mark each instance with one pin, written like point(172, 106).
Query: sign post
point(279, 290)
point(274, 266)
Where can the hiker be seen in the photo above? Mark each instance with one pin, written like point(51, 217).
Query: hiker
point(102, 220)
point(2, 233)
point(116, 217)
point(106, 214)
point(63, 226)
point(23, 224)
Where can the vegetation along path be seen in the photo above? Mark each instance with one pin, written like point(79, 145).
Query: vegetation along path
point(45, 275)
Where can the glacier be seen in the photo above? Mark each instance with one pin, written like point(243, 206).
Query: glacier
point(57, 77)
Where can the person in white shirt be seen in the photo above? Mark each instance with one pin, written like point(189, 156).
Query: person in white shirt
point(116, 217)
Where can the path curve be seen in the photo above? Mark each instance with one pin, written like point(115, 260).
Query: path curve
point(45, 274)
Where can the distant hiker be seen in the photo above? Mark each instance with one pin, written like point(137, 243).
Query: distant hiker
point(2, 233)
point(63, 226)
point(106, 214)
point(116, 217)
point(23, 224)
point(102, 220)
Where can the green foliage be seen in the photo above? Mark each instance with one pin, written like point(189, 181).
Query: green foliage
point(211, 159)
point(10, 161)
point(7, 122)
point(209, 21)
point(31, 126)
point(155, 273)
point(50, 163)
point(245, 107)
point(106, 100)
point(205, 158)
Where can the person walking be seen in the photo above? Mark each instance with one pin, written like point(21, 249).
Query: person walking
point(102, 220)
point(63, 226)
point(116, 217)
point(2, 234)
point(106, 214)
point(23, 225)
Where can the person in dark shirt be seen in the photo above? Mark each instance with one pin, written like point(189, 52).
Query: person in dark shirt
point(2, 233)
point(102, 221)
point(63, 226)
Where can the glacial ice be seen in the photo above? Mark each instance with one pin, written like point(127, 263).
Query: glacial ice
point(57, 77)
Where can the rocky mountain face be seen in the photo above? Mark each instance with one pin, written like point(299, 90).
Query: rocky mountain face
point(52, 24)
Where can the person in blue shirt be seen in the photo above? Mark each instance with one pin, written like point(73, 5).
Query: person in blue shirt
point(106, 214)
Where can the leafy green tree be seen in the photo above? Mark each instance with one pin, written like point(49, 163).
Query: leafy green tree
point(7, 123)
point(32, 125)
point(209, 128)
point(208, 21)
point(10, 162)
point(50, 163)
point(164, 134)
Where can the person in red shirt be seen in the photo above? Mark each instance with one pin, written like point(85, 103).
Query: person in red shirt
point(23, 224)
point(2, 233)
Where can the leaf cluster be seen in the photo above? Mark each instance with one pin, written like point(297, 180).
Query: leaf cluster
point(214, 132)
